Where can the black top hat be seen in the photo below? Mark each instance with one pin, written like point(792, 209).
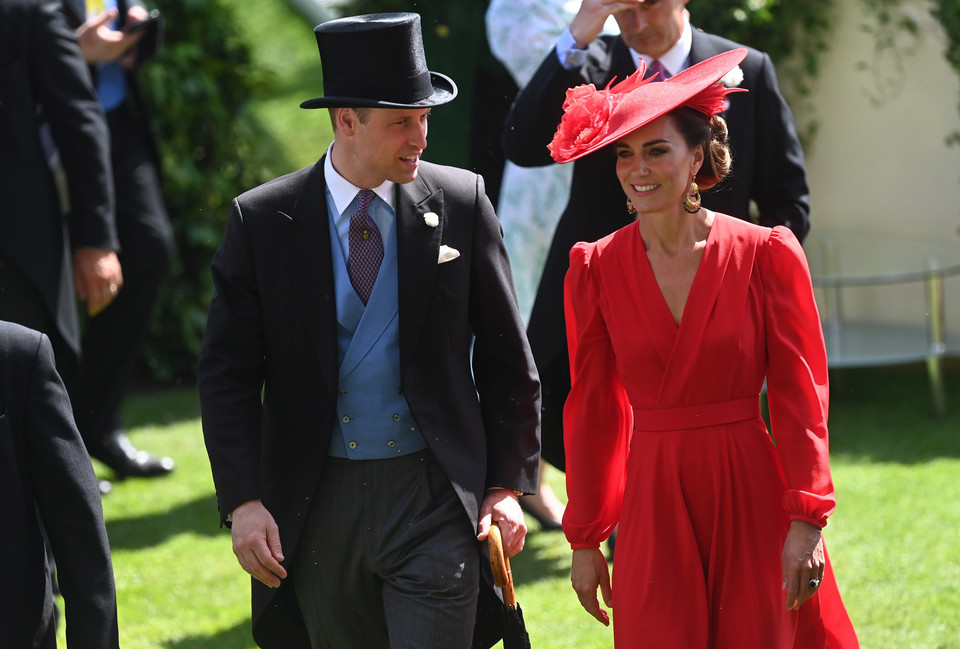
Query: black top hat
point(377, 61)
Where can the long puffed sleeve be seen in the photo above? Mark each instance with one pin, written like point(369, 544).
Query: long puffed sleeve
point(597, 417)
point(797, 380)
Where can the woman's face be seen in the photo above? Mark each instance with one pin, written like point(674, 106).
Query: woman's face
point(655, 166)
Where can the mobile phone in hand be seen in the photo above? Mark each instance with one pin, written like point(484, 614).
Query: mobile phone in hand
point(150, 22)
point(148, 46)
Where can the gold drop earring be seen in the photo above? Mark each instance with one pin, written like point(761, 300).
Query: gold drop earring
point(631, 210)
point(691, 204)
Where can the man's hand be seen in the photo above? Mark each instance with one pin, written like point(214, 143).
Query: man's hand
point(588, 23)
point(256, 542)
point(97, 277)
point(588, 572)
point(803, 560)
point(99, 43)
point(502, 506)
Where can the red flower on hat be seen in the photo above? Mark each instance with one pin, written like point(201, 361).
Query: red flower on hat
point(586, 117)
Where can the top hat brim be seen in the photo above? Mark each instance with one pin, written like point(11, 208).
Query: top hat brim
point(444, 91)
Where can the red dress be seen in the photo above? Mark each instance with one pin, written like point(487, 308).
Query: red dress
point(664, 438)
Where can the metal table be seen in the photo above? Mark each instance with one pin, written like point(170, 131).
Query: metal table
point(841, 260)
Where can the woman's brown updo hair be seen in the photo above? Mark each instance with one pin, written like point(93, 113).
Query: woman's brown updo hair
point(711, 132)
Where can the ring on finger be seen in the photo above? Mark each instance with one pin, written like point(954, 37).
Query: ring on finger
point(814, 584)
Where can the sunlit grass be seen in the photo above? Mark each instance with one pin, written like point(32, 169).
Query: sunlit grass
point(893, 540)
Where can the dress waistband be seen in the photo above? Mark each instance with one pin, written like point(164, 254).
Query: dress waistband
point(698, 416)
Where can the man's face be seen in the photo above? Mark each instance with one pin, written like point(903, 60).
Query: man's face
point(388, 146)
point(653, 26)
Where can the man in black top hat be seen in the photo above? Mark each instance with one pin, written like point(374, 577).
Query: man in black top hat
point(369, 401)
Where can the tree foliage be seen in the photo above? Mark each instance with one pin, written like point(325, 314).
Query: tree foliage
point(794, 34)
point(198, 88)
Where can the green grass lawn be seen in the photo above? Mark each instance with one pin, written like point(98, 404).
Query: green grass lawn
point(893, 540)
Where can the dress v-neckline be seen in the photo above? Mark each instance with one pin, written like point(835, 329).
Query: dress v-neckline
point(648, 276)
point(677, 343)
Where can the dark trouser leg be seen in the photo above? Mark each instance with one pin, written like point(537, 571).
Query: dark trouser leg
point(555, 386)
point(112, 340)
point(389, 558)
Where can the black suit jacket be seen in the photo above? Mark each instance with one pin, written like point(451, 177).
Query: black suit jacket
point(43, 78)
point(135, 102)
point(46, 478)
point(272, 326)
point(768, 168)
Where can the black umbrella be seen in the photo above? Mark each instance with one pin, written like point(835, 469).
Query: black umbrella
point(515, 634)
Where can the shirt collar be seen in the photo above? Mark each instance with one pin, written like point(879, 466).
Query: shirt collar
point(677, 56)
point(343, 191)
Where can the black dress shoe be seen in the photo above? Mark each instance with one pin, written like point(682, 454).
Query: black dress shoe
point(127, 462)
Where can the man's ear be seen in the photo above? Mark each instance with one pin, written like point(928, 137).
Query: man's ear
point(347, 121)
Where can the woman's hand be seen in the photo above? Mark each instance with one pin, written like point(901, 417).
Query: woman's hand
point(588, 572)
point(803, 560)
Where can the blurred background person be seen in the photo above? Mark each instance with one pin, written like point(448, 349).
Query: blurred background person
point(112, 341)
point(520, 33)
point(57, 235)
point(48, 260)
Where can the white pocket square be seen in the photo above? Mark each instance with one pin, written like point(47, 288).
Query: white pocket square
point(447, 254)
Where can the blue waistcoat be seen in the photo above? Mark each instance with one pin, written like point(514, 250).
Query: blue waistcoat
point(373, 419)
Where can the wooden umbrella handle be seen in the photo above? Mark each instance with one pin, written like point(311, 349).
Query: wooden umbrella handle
point(500, 565)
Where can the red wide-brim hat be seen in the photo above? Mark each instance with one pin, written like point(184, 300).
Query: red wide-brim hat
point(593, 118)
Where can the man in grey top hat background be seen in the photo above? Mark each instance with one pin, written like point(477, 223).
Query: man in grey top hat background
point(369, 400)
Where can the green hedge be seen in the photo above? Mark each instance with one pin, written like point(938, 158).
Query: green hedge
point(210, 147)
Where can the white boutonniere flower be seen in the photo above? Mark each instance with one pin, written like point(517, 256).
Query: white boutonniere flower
point(431, 219)
point(733, 78)
point(447, 254)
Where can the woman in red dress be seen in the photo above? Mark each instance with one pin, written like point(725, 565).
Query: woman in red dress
point(674, 322)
